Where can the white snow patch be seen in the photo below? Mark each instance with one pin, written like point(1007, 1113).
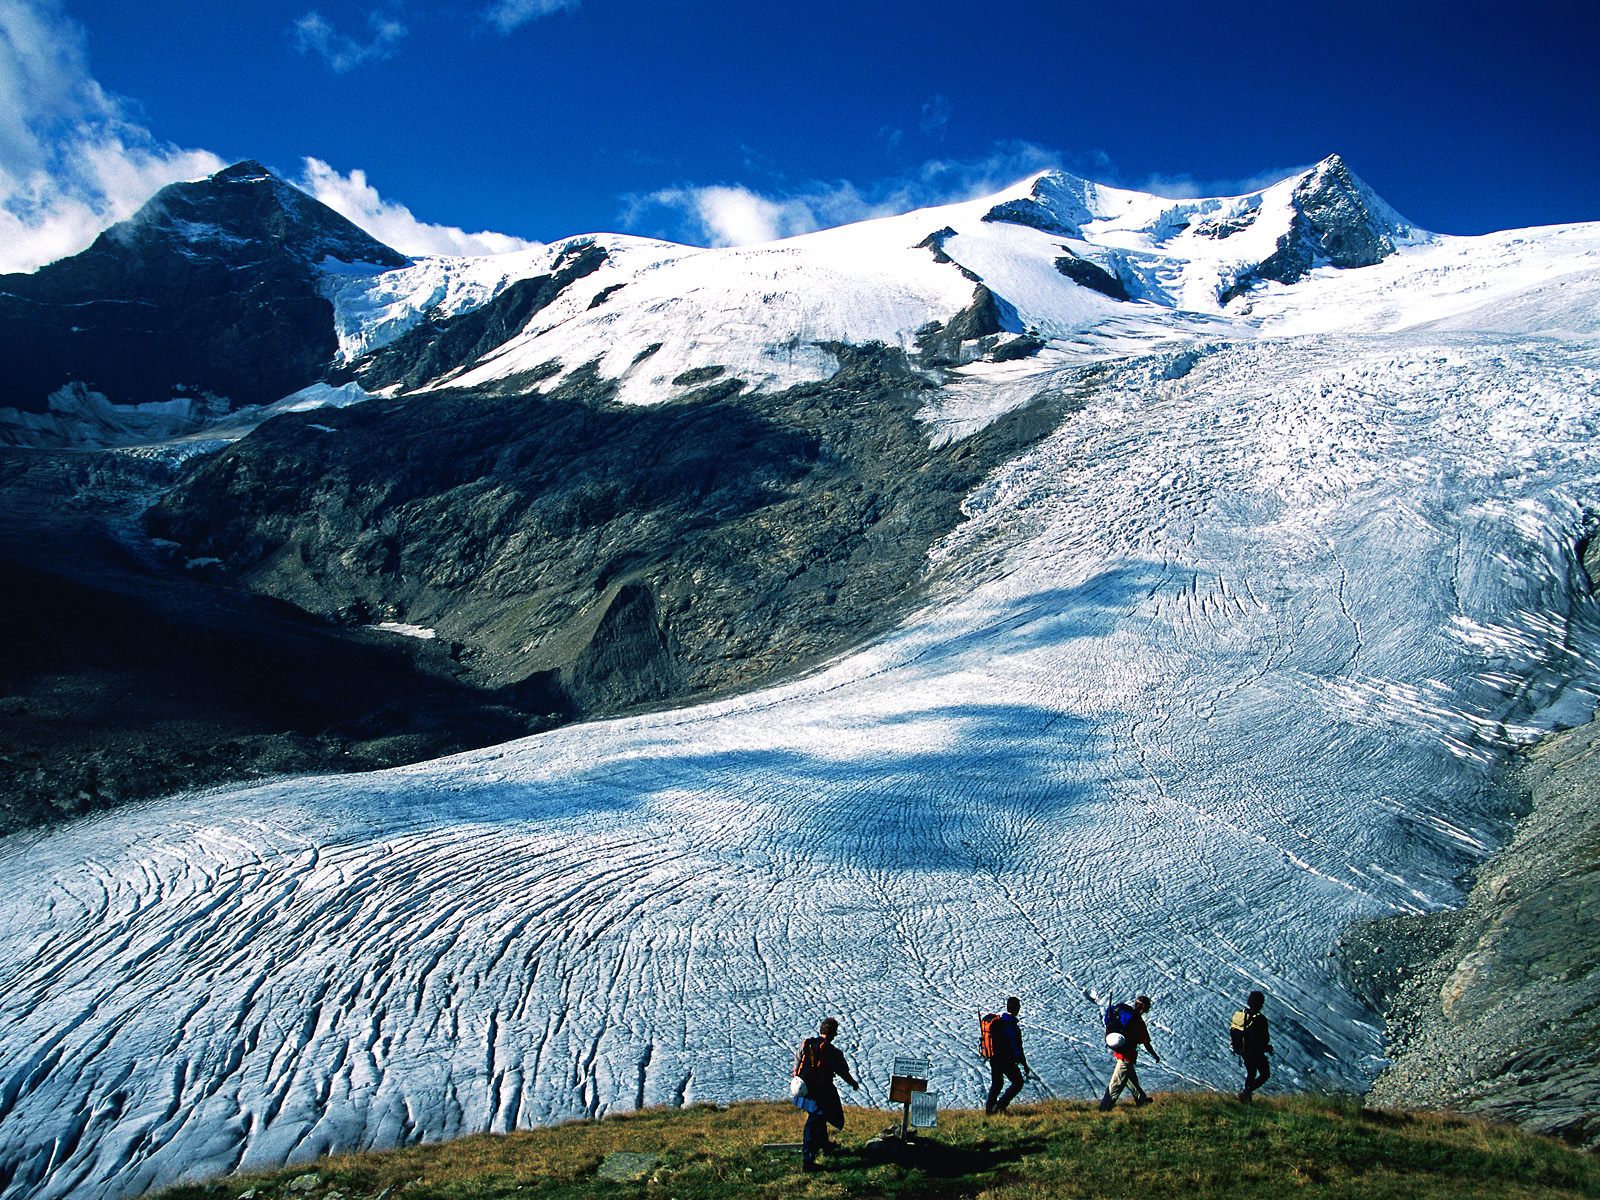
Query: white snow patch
point(411, 631)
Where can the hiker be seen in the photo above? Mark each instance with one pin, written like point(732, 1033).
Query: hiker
point(815, 1066)
point(1003, 1044)
point(1252, 1042)
point(1125, 1033)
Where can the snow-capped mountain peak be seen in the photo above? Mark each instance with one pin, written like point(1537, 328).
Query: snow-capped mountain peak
point(246, 208)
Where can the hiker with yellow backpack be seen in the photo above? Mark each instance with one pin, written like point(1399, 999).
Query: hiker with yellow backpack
point(1251, 1041)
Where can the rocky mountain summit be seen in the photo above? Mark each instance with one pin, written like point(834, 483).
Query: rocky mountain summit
point(205, 300)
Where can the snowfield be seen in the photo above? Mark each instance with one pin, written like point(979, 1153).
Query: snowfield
point(1222, 665)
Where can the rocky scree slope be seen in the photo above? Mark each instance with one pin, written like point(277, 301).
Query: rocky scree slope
point(125, 679)
point(1497, 1008)
point(587, 557)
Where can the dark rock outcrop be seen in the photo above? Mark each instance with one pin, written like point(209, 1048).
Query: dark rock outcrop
point(1091, 275)
point(1338, 222)
point(600, 557)
point(969, 334)
point(209, 290)
point(441, 346)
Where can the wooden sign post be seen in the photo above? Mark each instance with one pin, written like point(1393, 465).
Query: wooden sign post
point(909, 1078)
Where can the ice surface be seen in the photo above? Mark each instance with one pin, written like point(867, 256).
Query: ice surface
point(1221, 665)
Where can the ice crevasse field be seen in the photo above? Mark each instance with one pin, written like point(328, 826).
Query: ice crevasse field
point(1223, 664)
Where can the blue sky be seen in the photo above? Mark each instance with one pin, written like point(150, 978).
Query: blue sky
point(715, 121)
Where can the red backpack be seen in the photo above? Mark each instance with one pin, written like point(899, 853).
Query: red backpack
point(988, 1031)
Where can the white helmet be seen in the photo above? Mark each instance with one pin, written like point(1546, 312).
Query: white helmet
point(1116, 1041)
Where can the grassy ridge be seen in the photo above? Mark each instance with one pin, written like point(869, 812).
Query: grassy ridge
point(1183, 1146)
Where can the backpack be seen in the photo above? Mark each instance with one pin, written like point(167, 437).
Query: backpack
point(812, 1053)
point(1237, 1029)
point(1119, 1018)
point(988, 1034)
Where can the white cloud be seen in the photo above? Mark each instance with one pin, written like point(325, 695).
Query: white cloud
point(71, 161)
point(1187, 187)
point(734, 215)
point(313, 34)
point(935, 117)
point(506, 15)
point(352, 197)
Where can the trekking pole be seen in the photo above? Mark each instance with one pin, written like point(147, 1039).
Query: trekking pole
point(1038, 1081)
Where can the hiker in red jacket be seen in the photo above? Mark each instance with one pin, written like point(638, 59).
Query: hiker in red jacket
point(817, 1063)
point(1125, 1033)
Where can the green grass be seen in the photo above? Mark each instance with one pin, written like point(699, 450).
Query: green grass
point(1188, 1147)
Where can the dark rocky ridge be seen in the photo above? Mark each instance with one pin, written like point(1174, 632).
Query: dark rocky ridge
point(1336, 222)
point(440, 346)
point(123, 679)
point(591, 557)
point(211, 288)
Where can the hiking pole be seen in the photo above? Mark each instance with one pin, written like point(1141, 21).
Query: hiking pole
point(1038, 1081)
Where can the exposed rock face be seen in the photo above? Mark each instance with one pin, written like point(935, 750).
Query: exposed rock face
point(969, 334)
point(440, 346)
point(591, 557)
point(1091, 275)
point(210, 289)
point(1497, 1008)
point(1337, 221)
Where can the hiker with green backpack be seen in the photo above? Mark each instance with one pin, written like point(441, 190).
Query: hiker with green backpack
point(1249, 1036)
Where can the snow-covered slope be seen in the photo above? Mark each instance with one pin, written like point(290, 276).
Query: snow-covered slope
point(1089, 271)
point(1220, 666)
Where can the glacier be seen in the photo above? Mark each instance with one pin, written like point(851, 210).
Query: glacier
point(1223, 664)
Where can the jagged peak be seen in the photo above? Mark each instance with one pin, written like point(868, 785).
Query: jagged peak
point(1332, 177)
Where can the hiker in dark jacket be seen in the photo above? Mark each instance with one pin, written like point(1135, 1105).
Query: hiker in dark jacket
point(817, 1063)
point(1252, 1042)
point(1008, 1061)
point(1125, 1033)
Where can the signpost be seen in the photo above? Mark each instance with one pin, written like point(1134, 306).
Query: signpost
point(908, 1086)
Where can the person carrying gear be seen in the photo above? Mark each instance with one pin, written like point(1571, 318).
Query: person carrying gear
point(1006, 1059)
point(1125, 1033)
point(1251, 1041)
point(815, 1066)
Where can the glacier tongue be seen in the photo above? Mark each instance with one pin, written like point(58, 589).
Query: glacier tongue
point(1222, 665)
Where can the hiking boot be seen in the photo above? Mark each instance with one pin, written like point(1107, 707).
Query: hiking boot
point(808, 1167)
point(1244, 1097)
point(1140, 1101)
point(1105, 1103)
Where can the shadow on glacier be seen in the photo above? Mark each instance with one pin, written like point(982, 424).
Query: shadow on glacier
point(1049, 617)
point(950, 782)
